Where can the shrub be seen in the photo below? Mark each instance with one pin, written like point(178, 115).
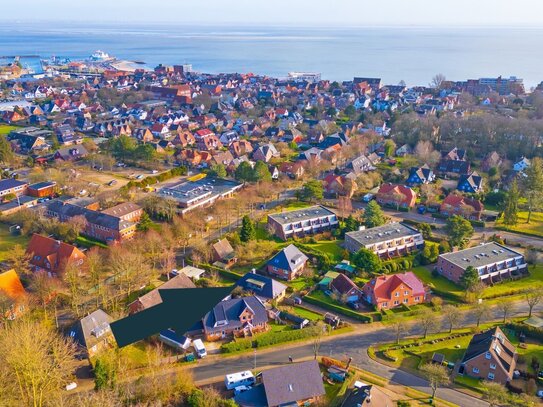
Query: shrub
point(338, 309)
point(237, 345)
point(273, 338)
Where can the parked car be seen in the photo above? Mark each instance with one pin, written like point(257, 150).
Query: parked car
point(297, 300)
point(368, 197)
point(139, 176)
point(241, 389)
point(353, 305)
point(540, 394)
point(112, 182)
point(421, 209)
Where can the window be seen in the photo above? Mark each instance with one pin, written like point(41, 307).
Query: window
point(406, 300)
point(397, 294)
point(493, 366)
point(475, 370)
point(417, 299)
point(385, 304)
point(488, 355)
point(498, 349)
point(490, 376)
point(406, 293)
point(396, 302)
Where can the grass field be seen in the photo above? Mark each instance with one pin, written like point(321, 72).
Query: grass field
point(6, 129)
point(330, 247)
point(535, 227)
point(439, 283)
point(7, 240)
point(307, 314)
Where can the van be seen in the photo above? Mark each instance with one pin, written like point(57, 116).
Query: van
point(199, 348)
point(233, 380)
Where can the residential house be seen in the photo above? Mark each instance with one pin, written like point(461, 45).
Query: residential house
point(521, 165)
point(153, 297)
point(206, 140)
point(302, 222)
point(265, 153)
point(265, 288)
point(420, 175)
point(345, 288)
point(470, 183)
point(13, 290)
point(223, 252)
point(10, 186)
point(288, 264)
point(93, 333)
point(51, 255)
point(66, 135)
point(492, 261)
point(294, 384)
point(490, 356)
point(492, 160)
point(404, 150)
point(398, 196)
point(71, 153)
point(240, 317)
point(456, 204)
point(240, 148)
point(392, 239)
point(394, 290)
point(361, 164)
point(29, 139)
point(454, 162)
point(292, 170)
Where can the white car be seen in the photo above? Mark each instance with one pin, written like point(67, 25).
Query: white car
point(540, 394)
point(139, 176)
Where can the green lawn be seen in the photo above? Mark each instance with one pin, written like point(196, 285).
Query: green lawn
point(6, 129)
point(7, 240)
point(320, 295)
point(279, 328)
point(330, 247)
point(135, 354)
point(535, 227)
point(534, 280)
point(298, 284)
point(439, 283)
point(307, 314)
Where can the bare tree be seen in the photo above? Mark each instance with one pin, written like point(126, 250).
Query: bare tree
point(428, 321)
point(437, 81)
point(495, 393)
point(437, 375)
point(35, 371)
point(533, 297)
point(320, 329)
point(452, 316)
point(400, 328)
point(505, 307)
point(481, 311)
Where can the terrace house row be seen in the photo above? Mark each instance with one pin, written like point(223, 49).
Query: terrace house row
point(390, 240)
point(492, 261)
point(302, 222)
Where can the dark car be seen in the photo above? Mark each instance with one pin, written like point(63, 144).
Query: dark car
point(353, 305)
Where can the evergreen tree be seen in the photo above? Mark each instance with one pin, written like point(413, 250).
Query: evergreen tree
point(312, 190)
point(218, 170)
point(373, 216)
point(244, 172)
point(351, 224)
point(470, 278)
point(6, 152)
point(144, 223)
point(262, 172)
point(248, 231)
point(510, 211)
point(534, 186)
point(367, 260)
point(459, 230)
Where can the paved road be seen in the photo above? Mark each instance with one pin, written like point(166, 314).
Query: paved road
point(355, 346)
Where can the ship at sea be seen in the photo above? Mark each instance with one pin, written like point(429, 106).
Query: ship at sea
point(100, 55)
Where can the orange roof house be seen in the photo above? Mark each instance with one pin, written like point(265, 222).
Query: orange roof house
point(11, 286)
point(456, 204)
point(52, 255)
point(396, 195)
point(393, 290)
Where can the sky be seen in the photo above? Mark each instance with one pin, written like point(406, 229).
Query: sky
point(284, 12)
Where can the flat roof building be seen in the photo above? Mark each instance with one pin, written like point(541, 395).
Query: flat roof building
point(201, 192)
point(492, 261)
point(392, 239)
point(301, 222)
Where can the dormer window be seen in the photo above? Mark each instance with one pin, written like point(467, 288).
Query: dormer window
point(488, 355)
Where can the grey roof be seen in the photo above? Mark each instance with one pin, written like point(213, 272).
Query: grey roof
point(292, 382)
point(153, 297)
point(382, 233)
point(230, 310)
point(122, 209)
point(288, 259)
point(10, 183)
point(300, 215)
point(262, 286)
point(97, 218)
point(481, 255)
point(189, 192)
point(90, 329)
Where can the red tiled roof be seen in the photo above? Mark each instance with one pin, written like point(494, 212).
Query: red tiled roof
point(56, 252)
point(11, 285)
point(384, 286)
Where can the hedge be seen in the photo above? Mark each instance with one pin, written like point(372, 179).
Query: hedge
point(225, 273)
point(174, 172)
point(519, 232)
point(323, 259)
point(529, 331)
point(339, 309)
point(270, 338)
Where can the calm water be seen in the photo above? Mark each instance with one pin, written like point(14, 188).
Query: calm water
point(410, 54)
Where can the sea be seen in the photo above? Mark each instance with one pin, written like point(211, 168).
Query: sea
point(410, 54)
